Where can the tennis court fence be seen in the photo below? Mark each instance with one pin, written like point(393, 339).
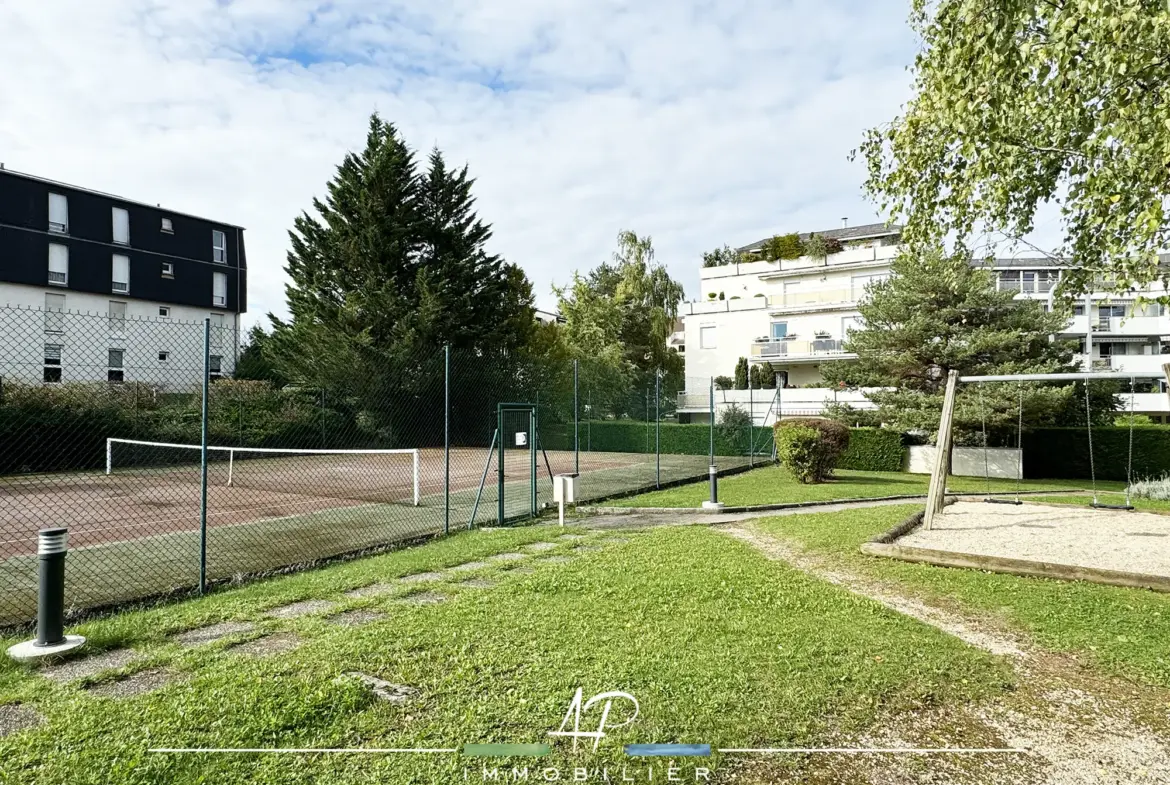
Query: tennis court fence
point(103, 422)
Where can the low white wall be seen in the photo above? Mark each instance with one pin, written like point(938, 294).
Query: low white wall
point(1002, 462)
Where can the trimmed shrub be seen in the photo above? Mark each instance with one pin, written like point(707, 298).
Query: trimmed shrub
point(810, 448)
point(635, 436)
point(1063, 453)
point(873, 450)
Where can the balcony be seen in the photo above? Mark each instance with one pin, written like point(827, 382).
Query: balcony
point(822, 346)
point(812, 297)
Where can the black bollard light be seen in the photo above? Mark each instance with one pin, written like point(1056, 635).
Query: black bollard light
point(52, 547)
point(713, 503)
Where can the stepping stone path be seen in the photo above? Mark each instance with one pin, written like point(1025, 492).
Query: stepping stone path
point(392, 693)
point(421, 577)
point(468, 566)
point(523, 570)
point(506, 557)
point(586, 548)
point(16, 717)
point(356, 618)
point(90, 666)
point(215, 632)
point(298, 609)
point(541, 546)
point(136, 684)
point(476, 583)
point(269, 644)
point(571, 537)
point(423, 598)
point(373, 590)
point(555, 560)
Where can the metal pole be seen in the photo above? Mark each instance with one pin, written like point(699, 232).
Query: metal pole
point(713, 470)
point(478, 494)
point(532, 462)
point(203, 458)
point(658, 429)
point(576, 424)
point(1088, 331)
point(500, 467)
point(589, 423)
point(751, 424)
point(447, 439)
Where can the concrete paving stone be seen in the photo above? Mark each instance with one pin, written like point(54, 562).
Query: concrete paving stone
point(508, 557)
point(423, 598)
point(392, 693)
point(136, 684)
point(571, 537)
point(269, 644)
point(586, 548)
point(356, 618)
point(373, 590)
point(15, 717)
point(303, 608)
point(476, 583)
point(83, 667)
point(421, 577)
point(541, 546)
point(214, 632)
point(468, 566)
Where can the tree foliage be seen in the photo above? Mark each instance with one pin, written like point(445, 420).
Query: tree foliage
point(936, 314)
point(721, 257)
point(741, 374)
point(783, 246)
point(1021, 103)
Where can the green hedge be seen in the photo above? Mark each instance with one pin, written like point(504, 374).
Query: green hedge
point(674, 438)
point(1063, 453)
point(873, 450)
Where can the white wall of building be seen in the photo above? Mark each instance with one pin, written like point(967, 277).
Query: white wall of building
point(165, 351)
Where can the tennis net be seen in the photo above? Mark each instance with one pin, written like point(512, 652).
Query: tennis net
point(387, 476)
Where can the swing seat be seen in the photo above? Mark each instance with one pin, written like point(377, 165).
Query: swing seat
point(1002, 501)
point(1097, 506)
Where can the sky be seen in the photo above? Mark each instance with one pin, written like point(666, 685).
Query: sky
point(697, 123)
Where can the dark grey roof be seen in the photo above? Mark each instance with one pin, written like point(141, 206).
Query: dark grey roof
point(862, 232)
point(123, 199)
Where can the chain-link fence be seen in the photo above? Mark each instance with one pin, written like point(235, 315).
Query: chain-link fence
point(103, 421)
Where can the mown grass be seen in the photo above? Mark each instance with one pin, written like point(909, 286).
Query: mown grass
point(717, 643)
point(1125, 631)
point(774, 485)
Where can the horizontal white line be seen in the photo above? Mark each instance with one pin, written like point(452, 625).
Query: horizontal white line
point(301, 751)
point(883, 750)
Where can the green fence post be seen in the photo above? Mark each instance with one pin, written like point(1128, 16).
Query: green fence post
point(658, 428)
point(576, 425)
point(447, 439)
point(500, 465)
point(751, 425)
point(203, 458)
point(532, 458)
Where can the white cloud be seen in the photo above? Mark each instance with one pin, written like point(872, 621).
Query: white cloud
point(699, 123)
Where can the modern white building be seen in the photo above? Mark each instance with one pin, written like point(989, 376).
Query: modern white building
point(790, 317)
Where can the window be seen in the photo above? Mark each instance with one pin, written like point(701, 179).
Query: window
point(168, 269)
point(1009, 281)
point(1107, 311)
point(164, 311)
point(219, 290)
point(164, 356)
point(216, 337)
point(167, 227)
point(120, 274)
point(779, 330)
point(218, 246)
point(1106, 350)
point(121, 226)
point(54, 314)
point(58, 264)
point(706, 337)
point(58, 214)
point(117, 316)
point(1028, 279)
point(215, 366)
point(1078, 310)
point(115, 372)
point(52, 369)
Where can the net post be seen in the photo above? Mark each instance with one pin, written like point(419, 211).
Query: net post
point(446, 444)
point(109, 456)
point(942, 460)
point(231, 466)
point(414, 459)
point(203, 458)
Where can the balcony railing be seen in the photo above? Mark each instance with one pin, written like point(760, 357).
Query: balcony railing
point(798, 298)
point(797, 348)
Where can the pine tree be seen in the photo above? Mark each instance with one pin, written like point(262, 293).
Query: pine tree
point(741, 374)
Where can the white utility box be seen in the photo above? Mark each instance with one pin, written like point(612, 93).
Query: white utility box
point(565, 488)
point(522, 439)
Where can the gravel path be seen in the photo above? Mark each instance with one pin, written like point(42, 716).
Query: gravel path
point(1106, 539)
point(1079, 728)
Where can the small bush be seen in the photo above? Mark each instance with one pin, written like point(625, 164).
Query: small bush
point(1158, 489)
point(724, 383)
point(809, 448)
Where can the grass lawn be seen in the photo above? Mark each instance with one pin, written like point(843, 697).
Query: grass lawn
point(1123, 630)
point(718, 644)
point(773, 485)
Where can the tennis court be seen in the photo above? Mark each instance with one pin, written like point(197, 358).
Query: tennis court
point(135, 531)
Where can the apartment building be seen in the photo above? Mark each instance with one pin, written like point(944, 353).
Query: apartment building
point(95, 287)
point(791, 317)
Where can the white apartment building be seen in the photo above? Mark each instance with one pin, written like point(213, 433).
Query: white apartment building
point(790, 317)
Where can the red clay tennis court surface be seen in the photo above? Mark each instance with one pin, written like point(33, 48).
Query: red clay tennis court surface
point(144, 501)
